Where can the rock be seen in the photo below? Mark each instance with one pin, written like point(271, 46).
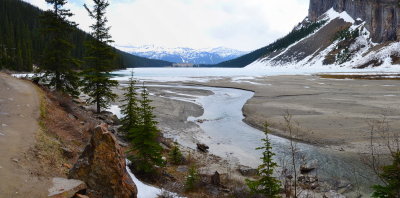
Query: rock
point(247, 171)
point(67, 152)
point(116, 120)
point(215, 180)
point(381, 17)
point(108, 118)
point(78, 101)
point(72, 116)
point(123, 144)
point(307, 179)
point(309, 166)
point(202, 147)
point(67, 165)
point(182, 169)
point(65, 188)
point(81, 196)
point(333, 194)
point(102, 166)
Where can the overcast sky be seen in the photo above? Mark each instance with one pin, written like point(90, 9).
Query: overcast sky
point(239, 24)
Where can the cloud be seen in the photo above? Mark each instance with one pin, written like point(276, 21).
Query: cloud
point(240, 24)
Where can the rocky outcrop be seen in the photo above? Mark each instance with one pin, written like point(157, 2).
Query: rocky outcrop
point(382, 17)
point(102, 167)
point(65, 188)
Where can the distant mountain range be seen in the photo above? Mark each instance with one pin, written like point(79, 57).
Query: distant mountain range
point(184, 54)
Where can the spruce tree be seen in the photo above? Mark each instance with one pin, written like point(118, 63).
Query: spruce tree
point(144, 138)
point(192, 179)
point(100, 58)
point(267, 184)
point(130, 109)
point(175, 155)
point(57, 62)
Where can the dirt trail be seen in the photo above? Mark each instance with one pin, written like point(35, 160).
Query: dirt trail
point(19, 112)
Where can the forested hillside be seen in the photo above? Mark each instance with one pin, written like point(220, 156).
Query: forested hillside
point(282, 43)
point(22, 43)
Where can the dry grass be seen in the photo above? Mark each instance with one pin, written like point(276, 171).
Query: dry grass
point(48, 147)
point(59, 128)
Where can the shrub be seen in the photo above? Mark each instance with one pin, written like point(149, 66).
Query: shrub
point(175, 155)
point(192, 179)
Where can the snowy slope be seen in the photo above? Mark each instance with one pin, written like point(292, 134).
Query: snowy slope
point(184, 55)
point(353, 48)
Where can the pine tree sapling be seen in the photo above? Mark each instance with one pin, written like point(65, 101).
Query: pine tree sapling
point(192, 179)
point(130, 109)
point(144, 138)
point(175, 155)
point(57, 60)
point(391, 176)
point(99, 59)
point(267, 184)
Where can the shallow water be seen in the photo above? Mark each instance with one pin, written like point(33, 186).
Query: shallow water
point(229, 137)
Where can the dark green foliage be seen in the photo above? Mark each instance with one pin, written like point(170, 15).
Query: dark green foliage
point(22, 43)
point(57, 62)
point(130, 109)
point(391, 176)
point(99, 59)
point(294, 36)
point(175, 155)
point(192, 179)
point(144, 144)
point(347, 34)
point(267, 184)
point(346, 38)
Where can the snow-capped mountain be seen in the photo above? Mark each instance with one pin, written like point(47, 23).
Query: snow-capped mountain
point(184, 55)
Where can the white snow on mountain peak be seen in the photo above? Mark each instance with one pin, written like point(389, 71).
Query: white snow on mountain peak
point(184, 54)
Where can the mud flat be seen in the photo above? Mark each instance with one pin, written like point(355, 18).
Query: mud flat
point(333, 115)
point(331, 112)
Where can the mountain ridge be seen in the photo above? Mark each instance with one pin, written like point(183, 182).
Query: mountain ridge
point(184, 54)
point(353, 34)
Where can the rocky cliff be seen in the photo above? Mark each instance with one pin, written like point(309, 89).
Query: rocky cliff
point(382, 17)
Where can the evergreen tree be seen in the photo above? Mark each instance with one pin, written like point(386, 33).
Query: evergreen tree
point(175, 155)
point(267, 184)
point(391, 176)
point(144, 138)
point(100, 58)
point(130, 109)
point(192, 178)
point(57, 61)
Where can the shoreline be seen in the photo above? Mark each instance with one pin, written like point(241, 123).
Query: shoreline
point(305, 136)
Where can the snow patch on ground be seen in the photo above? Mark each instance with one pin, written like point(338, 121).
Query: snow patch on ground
point(332, 14)
point(145, 190)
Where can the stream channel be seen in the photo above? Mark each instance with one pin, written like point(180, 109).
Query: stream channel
point(230, 138)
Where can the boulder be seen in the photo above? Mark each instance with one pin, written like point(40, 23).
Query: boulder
point(333, 194)
point(202, 147)
point(102, 166)
point(109, 118)
point(182, 169)
point(247, 171)
point(65, 188)
point(308, 166)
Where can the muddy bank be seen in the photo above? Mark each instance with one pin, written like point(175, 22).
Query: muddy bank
point(331, 113)
point(220, 130)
